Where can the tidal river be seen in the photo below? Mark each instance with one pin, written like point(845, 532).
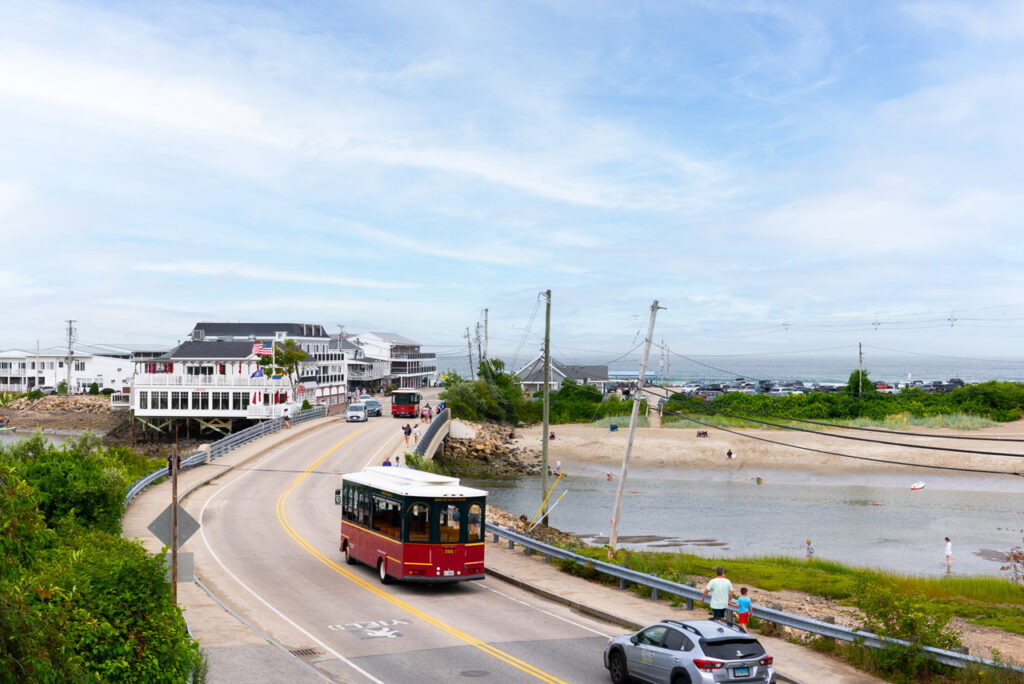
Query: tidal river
point(861, 519)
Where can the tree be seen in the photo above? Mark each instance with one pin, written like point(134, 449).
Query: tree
point(94, 388)
point(286, 357)
point(860, 384)
point(62, 387)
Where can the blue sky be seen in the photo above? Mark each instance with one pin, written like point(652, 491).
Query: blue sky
point(780, 176)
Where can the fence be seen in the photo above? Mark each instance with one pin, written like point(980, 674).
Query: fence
point(435, 425)
point(691, 593)
point(222, 446)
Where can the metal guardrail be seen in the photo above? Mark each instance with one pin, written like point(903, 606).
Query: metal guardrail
point(626, 576)
point(428, 435)
point(223, 446)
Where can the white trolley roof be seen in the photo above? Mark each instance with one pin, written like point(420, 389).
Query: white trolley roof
point(409, 482)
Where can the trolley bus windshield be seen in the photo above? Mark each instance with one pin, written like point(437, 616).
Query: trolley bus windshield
point(405, 397)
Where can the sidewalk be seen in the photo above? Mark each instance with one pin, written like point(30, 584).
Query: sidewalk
point(235, 651)
point(793, 663)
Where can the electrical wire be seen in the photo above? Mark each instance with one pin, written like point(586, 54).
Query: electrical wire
point(851, 427)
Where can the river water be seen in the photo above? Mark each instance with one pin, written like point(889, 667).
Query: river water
point(872, 520)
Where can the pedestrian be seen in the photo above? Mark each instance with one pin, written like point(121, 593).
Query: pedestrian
point(398, 461)
point(608, 476)
point(558, 467)
point(721, 591)
point(743, 611)
point(387, 461)
point(949, 555)
point(552, 435)
point(287, 418)
point(416, 434)
point(171, 463)
point(407, 431)
point(728, 454)
point(810, 551)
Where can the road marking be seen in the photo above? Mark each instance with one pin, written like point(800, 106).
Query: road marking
point(541, 610)
point(202, 532)
point(373, 589)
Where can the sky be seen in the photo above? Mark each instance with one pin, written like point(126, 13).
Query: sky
point(781, 177)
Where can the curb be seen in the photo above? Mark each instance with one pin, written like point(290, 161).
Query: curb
point(590, 610)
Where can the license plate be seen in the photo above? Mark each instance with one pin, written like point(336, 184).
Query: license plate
point(741, 672)
point(449, 573)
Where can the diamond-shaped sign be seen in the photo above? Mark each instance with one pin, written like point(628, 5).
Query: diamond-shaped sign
point(161, 526)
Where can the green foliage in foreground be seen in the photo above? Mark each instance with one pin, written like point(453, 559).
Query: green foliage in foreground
point(996, 401)
point(79, 603)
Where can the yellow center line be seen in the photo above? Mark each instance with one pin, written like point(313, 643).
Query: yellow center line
point(373, 589)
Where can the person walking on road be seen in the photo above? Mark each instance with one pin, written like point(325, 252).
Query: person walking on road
point(721, 592)
point(416, 434)
point(949, 555)
point(407, 431)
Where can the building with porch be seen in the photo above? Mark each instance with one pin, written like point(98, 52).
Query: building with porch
point(409, 367)
point(110, 366)
point(531, 376)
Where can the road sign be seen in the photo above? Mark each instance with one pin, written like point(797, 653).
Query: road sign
point(185, 567)
point(161, 526)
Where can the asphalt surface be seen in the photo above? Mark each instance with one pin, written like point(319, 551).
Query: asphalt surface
point(268, 553)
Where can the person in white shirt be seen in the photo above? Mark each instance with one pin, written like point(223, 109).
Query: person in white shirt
point(721, 592)
point(949, 555)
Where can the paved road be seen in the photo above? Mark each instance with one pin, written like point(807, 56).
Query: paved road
point(269, 545)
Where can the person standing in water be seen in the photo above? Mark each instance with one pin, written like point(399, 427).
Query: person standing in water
point(949, 555)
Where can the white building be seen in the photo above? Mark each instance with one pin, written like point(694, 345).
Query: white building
point(213, 383)
point(110, 366)
point(409, 366)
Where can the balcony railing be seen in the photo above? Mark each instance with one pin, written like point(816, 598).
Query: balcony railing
point(413, 356)
point(143, 382)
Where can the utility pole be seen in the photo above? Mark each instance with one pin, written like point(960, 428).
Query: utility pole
point(487, 354)
point(614, 536)
point(547, 424)
point(860, 368)
point(174, 521)
point(479, 347)
point(469, 350)
point(71, 354)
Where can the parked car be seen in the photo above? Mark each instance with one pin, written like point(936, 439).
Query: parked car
point(372, 407)
point(46, 389)
point(356, 413)
point(693, 651)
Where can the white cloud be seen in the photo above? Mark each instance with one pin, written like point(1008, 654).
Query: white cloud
point(248, 271)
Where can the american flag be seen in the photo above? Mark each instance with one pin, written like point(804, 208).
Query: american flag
point(262, 349)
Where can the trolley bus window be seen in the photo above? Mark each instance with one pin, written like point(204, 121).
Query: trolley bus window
point(419, 522)
point(475, 531)
point(364, 508)
point(449, 523)
point(348, 508)
point(387, 517)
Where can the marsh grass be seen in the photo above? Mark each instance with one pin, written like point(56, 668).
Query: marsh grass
point(897, 422)
point(622, 421)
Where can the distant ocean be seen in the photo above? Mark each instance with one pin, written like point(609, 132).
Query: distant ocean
point(804, 368)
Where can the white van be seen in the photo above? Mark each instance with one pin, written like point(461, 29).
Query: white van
point(356, 412)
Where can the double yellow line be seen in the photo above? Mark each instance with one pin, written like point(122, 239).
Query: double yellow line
point(377, 591)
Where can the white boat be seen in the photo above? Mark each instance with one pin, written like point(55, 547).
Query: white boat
point(917, 485)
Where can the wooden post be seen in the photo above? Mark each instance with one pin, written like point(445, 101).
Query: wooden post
point(174, 521)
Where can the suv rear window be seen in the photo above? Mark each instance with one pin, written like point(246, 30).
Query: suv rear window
point(733, 649)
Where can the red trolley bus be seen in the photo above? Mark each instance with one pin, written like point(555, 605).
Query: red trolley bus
point(405, 403)
point(412, 525)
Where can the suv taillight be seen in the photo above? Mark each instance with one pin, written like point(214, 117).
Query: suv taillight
point(767, 660)
point(708, 665)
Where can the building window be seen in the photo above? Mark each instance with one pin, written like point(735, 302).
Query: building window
point(201, 401)
point(221, 401)
point(241, 400)
point(160, 400)
point(179, 401)
point(143, 400)
point(199, 370)
point(79, 365)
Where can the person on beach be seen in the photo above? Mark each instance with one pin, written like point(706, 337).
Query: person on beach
point(608, 476)
point(810, 551)
point(728, 454)
point(558, 467)
point(407, 431)
point(743, 611)
point(416, 434)
point(721, 592)
point(949, 555)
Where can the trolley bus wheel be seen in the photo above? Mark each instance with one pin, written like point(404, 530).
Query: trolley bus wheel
point(348, 555)
point(385, 578)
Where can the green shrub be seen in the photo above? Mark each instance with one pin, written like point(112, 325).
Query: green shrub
point(94, 389)
point(306, 405)
point(107, 391)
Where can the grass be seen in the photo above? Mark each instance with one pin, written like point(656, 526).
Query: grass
point(622, 421)
point(897, 422)
point(981, 600)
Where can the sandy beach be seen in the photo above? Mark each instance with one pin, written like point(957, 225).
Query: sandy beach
point(757, 448)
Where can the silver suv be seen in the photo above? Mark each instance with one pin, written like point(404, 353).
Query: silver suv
point(688, 652)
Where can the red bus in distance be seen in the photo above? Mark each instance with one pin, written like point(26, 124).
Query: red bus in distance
point(405, 403)
point(412, 525)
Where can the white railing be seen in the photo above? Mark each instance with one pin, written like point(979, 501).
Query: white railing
point(145, 382)
point(259, 411)
point(120, 400)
